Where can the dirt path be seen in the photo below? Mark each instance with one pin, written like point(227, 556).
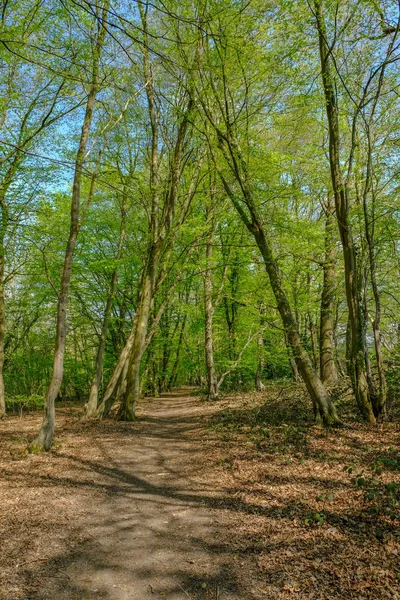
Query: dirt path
point(168, 508)
point(121, 516)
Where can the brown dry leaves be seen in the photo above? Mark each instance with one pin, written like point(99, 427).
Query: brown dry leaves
point(264, 487)
point(281, 482)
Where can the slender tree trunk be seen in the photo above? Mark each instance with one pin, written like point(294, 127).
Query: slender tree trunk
point(156, 385)
point(160, 224)
point(368, 365)
point(91, 406)
point(260, 367)
point(312, 330)
point(212, 389)
point(314, 341)
point(340, 188)
point(260, 347)
point(3, 230)
point(381, 408)
point(174, 370)
point(292, 362)
point(45, 437)
point(327, 323)
point(118, 377)
point(2, 334)
point(166, 351)
point(323, 406)
point(130, 398)
point(380, 405)
point(340, 367)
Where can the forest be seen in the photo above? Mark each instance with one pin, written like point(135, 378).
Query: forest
point(200, 246)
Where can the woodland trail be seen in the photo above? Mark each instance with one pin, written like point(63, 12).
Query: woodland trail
point(171, 508)
point(144, 526)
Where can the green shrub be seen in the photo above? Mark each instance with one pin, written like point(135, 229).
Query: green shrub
point(18, 404)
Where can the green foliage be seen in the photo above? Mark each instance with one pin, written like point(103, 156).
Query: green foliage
point(381, 497)
point(20, 404)
point(315, 519)
point(254, 68)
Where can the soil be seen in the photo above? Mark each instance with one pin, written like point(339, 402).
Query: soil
point(182, 505)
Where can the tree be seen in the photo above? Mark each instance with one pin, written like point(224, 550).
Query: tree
point(45, 436)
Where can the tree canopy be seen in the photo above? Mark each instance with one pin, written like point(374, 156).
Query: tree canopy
point(200, 194)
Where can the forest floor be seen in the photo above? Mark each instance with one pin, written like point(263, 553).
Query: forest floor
point(235, 500)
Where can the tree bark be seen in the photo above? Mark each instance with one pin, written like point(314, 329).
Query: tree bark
point(323, 405)
point(258, 382)
point(380, 404)
point(118, 378)
point(3, 229)
point(45, 437)
point(322, 402)
point(160, 224)
point(212, 388)
point(174, 370)
point(260, 351)
point(91, 406)
point(340, 189)
point(131, 396)
point(327, 323)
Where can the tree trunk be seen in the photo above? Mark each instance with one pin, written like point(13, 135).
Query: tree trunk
point(166, 350)
point(258, 382)
point(91, 406)
point(45, 437)
point(212, 388)
point(174, 370)
point(3, 230)
point(324, 408)
point(260, 347)
point(131, 396)
point(292, 362)
point(340, 188)
point(2, 334)
point(118, 377)
point(314, 341)
point(380, 403)
point(327, 324)
point(323, 405)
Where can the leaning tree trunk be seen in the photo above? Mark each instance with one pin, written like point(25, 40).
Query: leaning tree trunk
point(132, 394)
point(324, 408)
point(117, 380)
point(45, 437)
point(340, 189)
point(327, 323)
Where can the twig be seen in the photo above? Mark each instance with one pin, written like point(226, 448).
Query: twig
point(31, 561)
point(183, 589)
